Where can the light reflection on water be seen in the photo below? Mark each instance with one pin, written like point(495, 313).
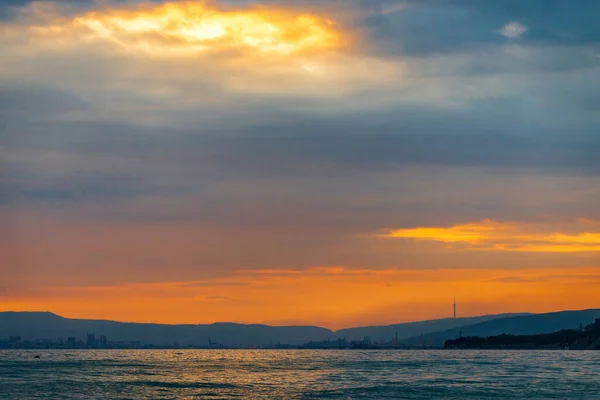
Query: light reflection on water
point(259, 374)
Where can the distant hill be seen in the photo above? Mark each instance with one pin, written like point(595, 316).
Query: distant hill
point(45, 325)
point(410, 329)
point(533, 324)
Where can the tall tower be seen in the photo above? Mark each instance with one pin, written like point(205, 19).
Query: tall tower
point(454, 307)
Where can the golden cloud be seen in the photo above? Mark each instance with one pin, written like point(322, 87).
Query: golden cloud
point(493, 235)
point(186, 55)
point(187, 28)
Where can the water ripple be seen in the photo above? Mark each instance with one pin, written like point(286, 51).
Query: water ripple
point(263, 374)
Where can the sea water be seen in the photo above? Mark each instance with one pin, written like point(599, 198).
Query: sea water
point(300, 374)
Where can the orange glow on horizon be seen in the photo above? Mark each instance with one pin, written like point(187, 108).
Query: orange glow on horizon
point(331, 297)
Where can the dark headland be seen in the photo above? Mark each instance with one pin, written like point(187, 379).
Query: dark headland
point(587, 338)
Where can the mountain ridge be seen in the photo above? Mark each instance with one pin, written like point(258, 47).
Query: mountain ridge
point(391, 326)
point(45, 325)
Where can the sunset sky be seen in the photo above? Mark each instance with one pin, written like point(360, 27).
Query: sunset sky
point(338, 163)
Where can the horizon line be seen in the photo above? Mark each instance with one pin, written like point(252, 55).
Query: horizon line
point(508, 314)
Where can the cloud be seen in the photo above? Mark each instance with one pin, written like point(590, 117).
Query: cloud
point(496, 236)
point(184, 28)
point(193, 53)
point(513, 30)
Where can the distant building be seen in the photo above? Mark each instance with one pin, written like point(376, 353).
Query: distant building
point(366, 343)
point(103, 341)
point(91, 339)
point(71, 341)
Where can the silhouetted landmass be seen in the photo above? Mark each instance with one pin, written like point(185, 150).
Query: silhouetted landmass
point(574, 339)
point(43, 325)
point(410, 329)
point(533, 324)
point(47, 330)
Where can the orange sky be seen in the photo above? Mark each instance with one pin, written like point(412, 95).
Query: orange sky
point(331, 297)
point(190, 272)
point(195, 162)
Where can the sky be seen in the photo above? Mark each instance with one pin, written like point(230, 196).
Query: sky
point(338, 163)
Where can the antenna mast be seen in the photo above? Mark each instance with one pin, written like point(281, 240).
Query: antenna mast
point(454, 305)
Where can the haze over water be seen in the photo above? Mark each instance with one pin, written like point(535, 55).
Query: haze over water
point(300, 374)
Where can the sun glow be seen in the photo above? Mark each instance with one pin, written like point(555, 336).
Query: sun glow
point(200, 26)
point(177, 53)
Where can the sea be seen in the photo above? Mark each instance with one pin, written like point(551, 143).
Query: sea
point(299, 374)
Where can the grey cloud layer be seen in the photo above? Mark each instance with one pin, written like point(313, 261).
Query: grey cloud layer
point(479, 125)
point(491, 113)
